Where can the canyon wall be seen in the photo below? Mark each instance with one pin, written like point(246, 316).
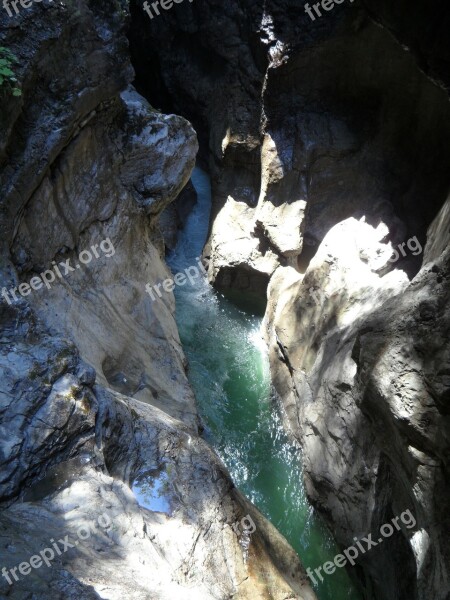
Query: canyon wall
point(302, 123)
point(93, 389)
point(360, 360)
point(327, 143)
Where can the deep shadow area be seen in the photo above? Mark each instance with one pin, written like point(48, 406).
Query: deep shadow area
point(359, 128)
point(249, 302)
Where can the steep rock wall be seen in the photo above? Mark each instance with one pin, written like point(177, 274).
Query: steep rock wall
point(302, 123)
point(93, 390)
point(361, 363)
point(308, 128)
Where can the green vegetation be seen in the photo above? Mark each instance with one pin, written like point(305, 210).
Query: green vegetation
point(8, 79)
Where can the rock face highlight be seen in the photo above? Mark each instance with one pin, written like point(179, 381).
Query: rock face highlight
point(64, 216)
point(93, 390)
point(302, 123)
point(327, 143)
point(360, 362)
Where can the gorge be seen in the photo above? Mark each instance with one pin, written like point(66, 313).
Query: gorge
point(303, 384)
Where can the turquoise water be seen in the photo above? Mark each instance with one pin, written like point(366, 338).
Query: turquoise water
point(228, 370)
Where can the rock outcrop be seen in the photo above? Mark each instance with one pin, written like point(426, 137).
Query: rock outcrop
point(93, 391)
point(303, 123)
point(327, 143)
point(361, 363)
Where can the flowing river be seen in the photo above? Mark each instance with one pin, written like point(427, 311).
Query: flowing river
point(228, 370)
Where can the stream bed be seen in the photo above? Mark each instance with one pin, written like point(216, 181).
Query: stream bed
point(229, 372)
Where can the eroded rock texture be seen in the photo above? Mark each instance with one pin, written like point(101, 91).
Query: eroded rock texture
point(93, 390)
point(361, 363)
point(303, 123)
point(327, 142)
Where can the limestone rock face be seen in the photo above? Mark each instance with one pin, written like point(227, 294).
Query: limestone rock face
point(361, 364)
point(304, 123)
point(93, 391)
point(236, 260)
point(104, 307)
point(438, 235)
point(349, 114)
point(117, 548)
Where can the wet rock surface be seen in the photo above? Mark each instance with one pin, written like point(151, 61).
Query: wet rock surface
point(134, 552)
point(338, 113)
point(172, 219)
point(320, 134)
point(93, 389)
point(361, 362)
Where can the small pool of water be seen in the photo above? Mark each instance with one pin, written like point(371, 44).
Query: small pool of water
point(152, 490)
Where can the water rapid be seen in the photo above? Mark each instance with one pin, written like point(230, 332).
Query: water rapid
point(228, 370)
